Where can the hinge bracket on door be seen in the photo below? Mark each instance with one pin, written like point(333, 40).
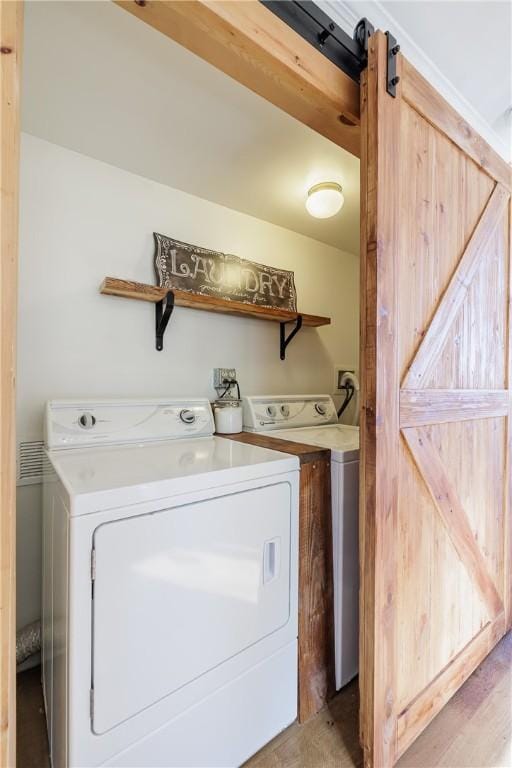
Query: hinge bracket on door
point(392, 79)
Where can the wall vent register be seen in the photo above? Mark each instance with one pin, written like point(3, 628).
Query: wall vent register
point(30, 462)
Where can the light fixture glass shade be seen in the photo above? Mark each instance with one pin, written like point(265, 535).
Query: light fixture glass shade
point(324, 200)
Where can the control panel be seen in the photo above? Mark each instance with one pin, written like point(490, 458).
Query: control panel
point(74, 424)
point(267, 412)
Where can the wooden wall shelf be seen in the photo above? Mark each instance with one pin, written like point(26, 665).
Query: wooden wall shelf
point(165, 301)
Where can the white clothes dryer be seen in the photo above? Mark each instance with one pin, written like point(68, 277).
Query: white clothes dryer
point(169, 587)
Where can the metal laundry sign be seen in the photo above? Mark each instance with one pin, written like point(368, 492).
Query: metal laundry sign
point(221, 275)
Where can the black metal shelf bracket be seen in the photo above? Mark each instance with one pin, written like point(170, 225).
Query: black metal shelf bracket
point(285, 340)
point(163, 312)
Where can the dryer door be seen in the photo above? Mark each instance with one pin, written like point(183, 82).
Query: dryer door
point(180, 591)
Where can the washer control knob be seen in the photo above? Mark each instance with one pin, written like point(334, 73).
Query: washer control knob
point(285, 410)
point(86, 421)
point(321, 408)
point(187, 416)
point(271, 410)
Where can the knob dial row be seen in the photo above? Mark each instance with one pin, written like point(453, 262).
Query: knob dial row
point(187, 416)
point(86, 421)
point(271, 410)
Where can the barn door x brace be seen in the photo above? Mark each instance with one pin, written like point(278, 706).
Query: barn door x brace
point(350, 54)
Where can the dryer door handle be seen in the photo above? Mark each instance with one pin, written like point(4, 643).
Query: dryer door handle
point(271, 560)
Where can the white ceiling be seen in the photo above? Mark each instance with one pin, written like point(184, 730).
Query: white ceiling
point(463, 47)
point(471, 43)
point(98, 81)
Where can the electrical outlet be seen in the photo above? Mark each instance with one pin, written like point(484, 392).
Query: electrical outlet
point(339, 371)
point(219, 374)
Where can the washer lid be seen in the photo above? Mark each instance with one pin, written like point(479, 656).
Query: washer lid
point(109, 475)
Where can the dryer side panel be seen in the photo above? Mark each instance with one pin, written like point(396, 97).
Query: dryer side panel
point(55, 619)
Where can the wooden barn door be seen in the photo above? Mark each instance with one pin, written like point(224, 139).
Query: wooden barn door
point(435, 356)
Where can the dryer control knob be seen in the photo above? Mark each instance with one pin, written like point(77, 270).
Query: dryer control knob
point(320, 408)
point(271, 410)
point(285, 410)
point(86, 421)
point(187, 417)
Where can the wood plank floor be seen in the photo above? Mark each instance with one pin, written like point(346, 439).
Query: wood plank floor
point(32, 742)
point(473, 731)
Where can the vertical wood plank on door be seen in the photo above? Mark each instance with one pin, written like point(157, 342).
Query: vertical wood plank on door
point(507, 539)
point(367, 441)
point(11, 20)
point(380, 404)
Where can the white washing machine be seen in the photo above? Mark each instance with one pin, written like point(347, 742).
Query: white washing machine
point(169, 587)
point(312, 419)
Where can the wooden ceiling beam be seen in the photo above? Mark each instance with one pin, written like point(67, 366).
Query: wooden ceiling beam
point(250, 44)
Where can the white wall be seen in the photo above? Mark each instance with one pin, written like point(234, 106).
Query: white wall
point(81, 220)
point(120, 106)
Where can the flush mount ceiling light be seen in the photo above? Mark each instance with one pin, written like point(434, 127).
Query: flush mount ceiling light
point(324, 200)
